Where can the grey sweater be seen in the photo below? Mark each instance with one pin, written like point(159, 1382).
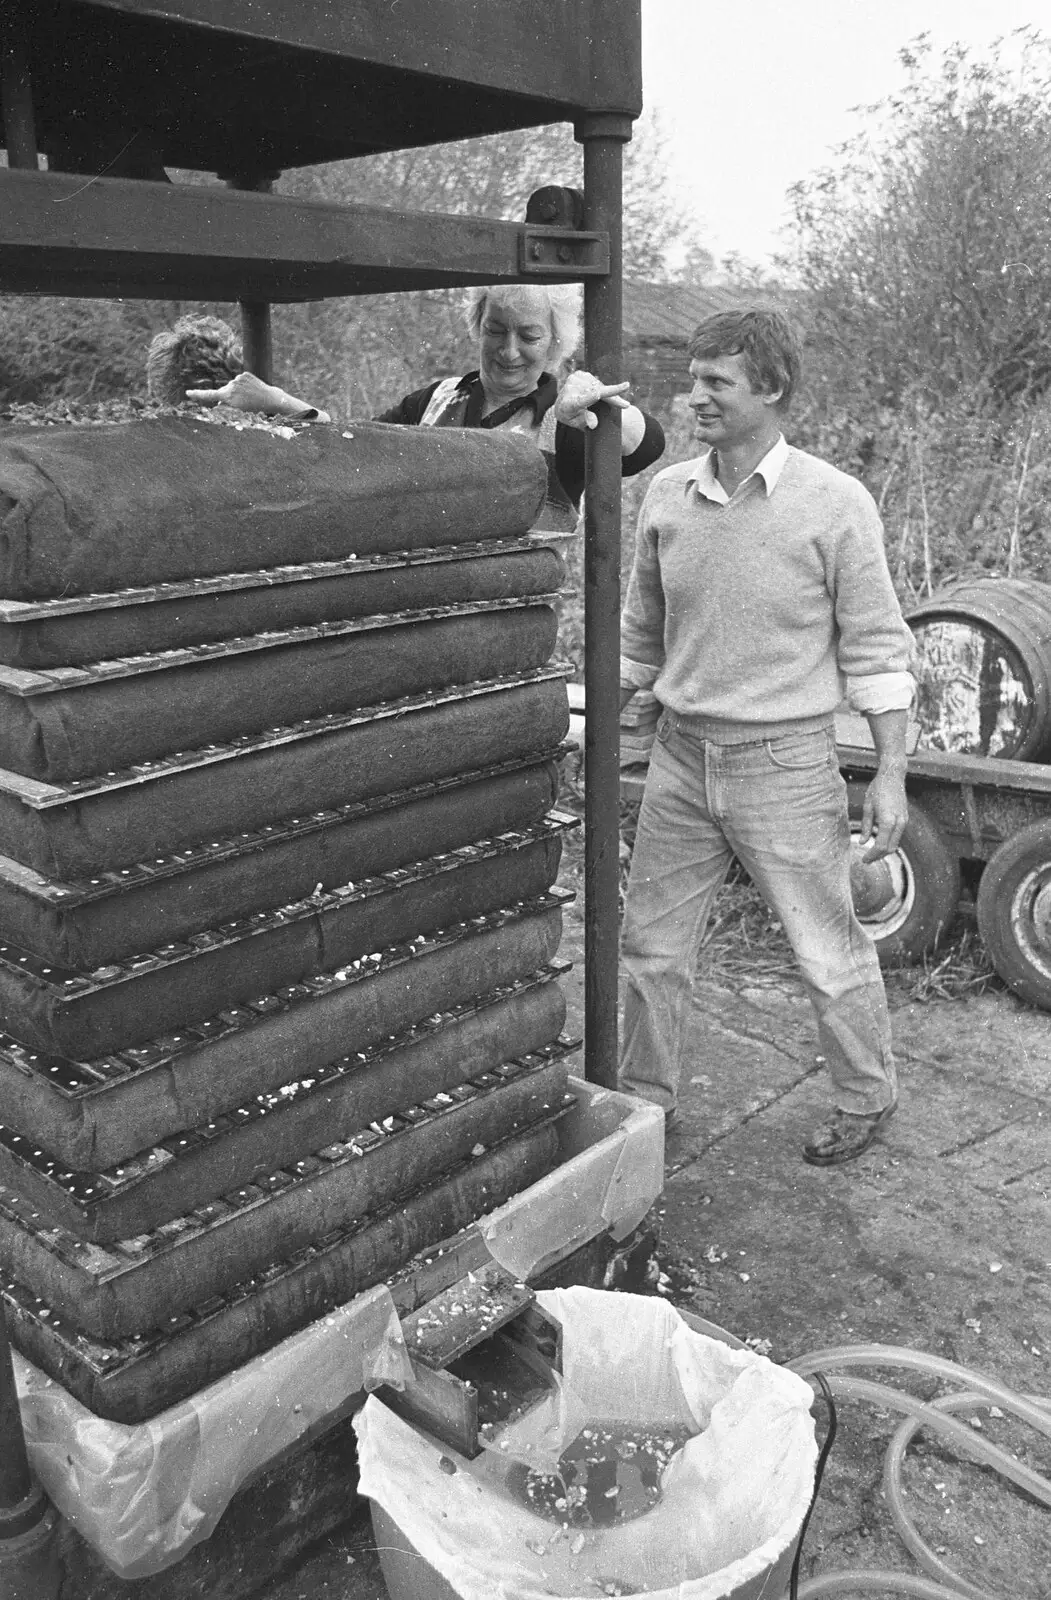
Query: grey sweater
point(764, 610)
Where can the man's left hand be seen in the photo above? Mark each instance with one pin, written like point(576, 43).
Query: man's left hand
point(885, 813)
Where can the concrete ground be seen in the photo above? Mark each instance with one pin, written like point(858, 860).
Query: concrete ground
point(938, 1239)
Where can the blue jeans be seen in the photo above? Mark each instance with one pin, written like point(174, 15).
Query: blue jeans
point(778, 805)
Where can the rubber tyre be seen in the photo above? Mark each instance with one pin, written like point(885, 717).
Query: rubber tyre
point(1014, 912)
point(930, 895)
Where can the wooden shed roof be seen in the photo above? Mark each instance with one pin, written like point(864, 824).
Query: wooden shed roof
point(667, 313)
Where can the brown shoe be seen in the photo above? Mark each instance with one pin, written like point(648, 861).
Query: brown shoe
point(844, 1136)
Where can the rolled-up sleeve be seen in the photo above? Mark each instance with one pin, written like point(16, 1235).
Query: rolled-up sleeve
point(875, 648)
point(877, 692)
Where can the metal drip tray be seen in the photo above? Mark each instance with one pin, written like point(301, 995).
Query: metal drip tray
point(16, 612)
point(92, 1113)
point(278, 1126)
point(92, 921)
point(74, 1013)
point(59, 724)
point(26, 683)
point(113, 1291)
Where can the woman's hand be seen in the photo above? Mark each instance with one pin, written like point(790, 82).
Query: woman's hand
point(246, 392)
point(582, 391)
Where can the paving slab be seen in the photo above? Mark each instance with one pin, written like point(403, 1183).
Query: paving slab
point(938, 1238)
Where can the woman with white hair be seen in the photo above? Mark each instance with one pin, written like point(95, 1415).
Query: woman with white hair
point(526, 335)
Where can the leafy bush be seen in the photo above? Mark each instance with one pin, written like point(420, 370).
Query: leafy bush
point(924, 254)
point(926, 249)
point(58, 348)
point(962, 494)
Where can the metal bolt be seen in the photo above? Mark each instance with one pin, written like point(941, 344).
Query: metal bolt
point(565, 253)
point(536, 251)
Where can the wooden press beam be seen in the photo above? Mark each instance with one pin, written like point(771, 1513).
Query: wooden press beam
point(63, 234)
point(16, 91)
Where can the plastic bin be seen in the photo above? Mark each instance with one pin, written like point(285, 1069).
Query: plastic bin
point(735, 1498)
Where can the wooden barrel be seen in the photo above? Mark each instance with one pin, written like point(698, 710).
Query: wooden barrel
point(984, 669)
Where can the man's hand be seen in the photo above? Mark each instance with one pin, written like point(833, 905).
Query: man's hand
point(246, 392)
point(885, 812)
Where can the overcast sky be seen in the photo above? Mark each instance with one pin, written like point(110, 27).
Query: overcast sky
point(757, 94)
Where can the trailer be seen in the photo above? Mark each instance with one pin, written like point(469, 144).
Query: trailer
point(975, 818)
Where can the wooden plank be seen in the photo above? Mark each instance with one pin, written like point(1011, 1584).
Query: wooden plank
point(946, 766)
point(441, 1404)
point(118, 236)
point(461, 1316)
point(250, 90)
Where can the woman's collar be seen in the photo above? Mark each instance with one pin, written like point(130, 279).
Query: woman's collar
point(542, 398)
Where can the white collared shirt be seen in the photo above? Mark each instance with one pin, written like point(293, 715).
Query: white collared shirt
point(769, 469)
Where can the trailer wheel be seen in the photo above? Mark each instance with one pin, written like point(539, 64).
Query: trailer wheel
point(926, 886)
point(1014, 912)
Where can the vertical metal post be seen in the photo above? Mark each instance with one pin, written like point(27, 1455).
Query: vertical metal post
point(603, 138)
point(257, 337)
point(17, 90)
point(256, 330)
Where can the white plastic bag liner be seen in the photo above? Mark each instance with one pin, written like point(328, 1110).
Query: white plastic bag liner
point(733, 1499)
point(612, 1172)
point(143, 1495)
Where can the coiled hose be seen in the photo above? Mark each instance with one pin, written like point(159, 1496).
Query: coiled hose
point(978, 1391)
